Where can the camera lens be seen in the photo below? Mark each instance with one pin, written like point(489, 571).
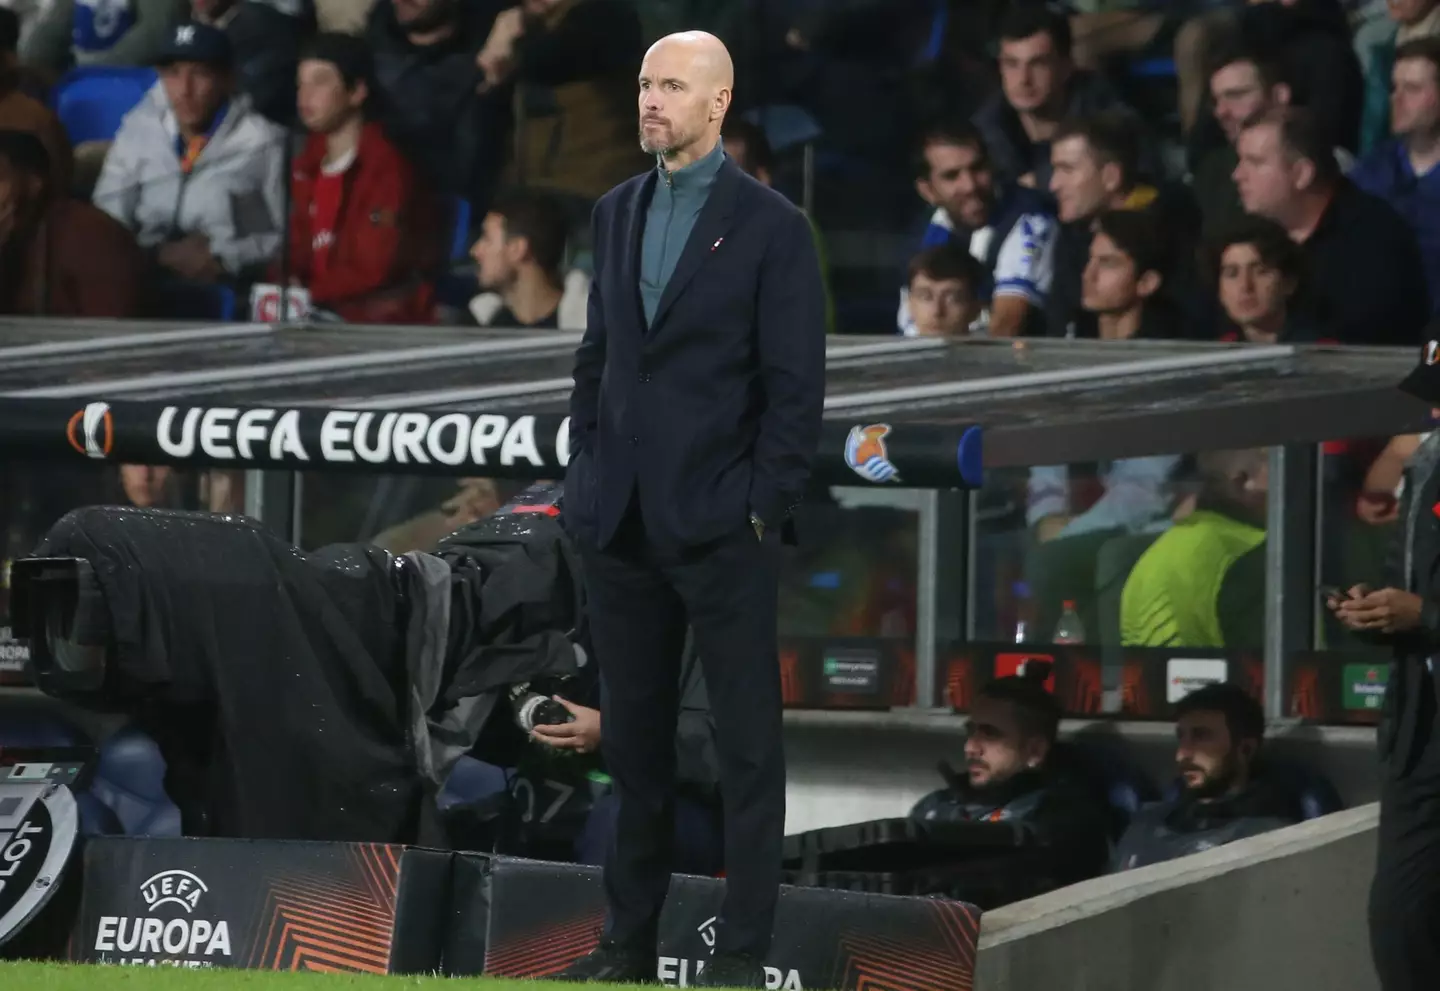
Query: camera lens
point(533, 710)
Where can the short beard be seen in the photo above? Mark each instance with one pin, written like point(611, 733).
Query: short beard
point(677, 144)
point(1218, 784)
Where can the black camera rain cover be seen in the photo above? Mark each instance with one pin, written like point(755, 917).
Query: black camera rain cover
point(345, 685)
point(299, 654)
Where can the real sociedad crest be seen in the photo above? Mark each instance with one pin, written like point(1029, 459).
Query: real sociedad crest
point(867, 455)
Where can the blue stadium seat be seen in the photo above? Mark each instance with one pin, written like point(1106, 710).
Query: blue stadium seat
point(471, 780)
point(1153, 68)
point(180, 300)
point(785, 125)
point(1313, 791)
point(935, 38)
point(1107, 761)
point(91, 101)
point(130, 782)
point(460, 229)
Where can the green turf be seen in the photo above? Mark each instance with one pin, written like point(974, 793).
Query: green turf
point(78, 977)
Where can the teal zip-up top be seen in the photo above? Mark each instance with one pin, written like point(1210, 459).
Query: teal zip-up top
point(679, 197)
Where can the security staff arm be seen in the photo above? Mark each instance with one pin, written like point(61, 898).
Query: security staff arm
point(791, 332)
point(589, 363)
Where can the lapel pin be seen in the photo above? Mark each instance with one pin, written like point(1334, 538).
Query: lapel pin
point(718, 242)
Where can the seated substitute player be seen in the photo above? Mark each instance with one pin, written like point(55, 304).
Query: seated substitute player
point(1013, 774)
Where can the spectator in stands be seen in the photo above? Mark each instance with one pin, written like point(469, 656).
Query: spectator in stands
point(1125, 289)
point(1010, 229)
point(1408, 20)
point(63, 257)
point(427, 77)
point(573, 66)
point(1096, 167)
point(1309, 42)
point(266, 42)
point(1219, 730)
point(121, 33)
point(944, 291)
point(1011, 775)
point(1202, 582)
point(1367, 280)
point(1125, 278)
point(1403, 172)
point(21, 112)
point(362, 237)
point(1312, 40)
point(195, 173)
point(521, 258)
point(1039, 87)
point(1243, 85)
point(1256, 271)
point(747, 144)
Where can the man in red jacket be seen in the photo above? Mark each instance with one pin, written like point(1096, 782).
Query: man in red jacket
point(361, 237)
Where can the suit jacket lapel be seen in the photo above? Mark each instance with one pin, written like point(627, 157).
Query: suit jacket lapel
point(634, 234)
point(710, 228)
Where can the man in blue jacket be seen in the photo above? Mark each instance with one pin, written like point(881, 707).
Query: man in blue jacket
point(699, 388)
point(1402, 171)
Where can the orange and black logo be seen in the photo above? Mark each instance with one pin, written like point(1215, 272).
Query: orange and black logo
point(91, 431)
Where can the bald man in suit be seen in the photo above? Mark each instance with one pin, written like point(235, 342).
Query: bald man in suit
point(699, 388)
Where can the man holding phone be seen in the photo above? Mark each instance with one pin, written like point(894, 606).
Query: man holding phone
point(1405, 895)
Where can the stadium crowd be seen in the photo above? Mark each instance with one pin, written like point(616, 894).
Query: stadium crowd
point(1270, 181)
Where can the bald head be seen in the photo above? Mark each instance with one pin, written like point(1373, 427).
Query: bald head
point(685, 86)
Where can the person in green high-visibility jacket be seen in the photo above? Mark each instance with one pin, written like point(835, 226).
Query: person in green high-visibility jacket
point(1202, 582)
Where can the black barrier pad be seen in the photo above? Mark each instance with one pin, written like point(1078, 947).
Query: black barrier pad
point(882, 845)
point(538, 917)
point(466, 930)
point(262, 904)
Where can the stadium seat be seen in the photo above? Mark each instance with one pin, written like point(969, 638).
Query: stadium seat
point(471, 780)
point(130, 782)
point(1313, 791)
point(1106, 760)
point(460, 229)
point(1153, 68)
point(180, 300)
point(934, 46)
point(785, 125)
point(92, 101)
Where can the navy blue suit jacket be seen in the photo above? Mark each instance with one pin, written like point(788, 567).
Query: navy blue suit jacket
point(713, 411)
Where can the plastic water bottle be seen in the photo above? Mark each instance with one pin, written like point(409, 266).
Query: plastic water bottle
point(1023, 612)
point(1069, 629)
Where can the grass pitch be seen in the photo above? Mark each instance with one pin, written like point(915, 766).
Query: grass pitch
point(81, 977)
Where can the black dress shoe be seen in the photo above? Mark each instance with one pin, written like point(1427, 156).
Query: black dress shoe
point(732, 970)
point(611, 963)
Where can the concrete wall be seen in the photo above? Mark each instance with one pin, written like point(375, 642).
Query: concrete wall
point(1276, 912)
point(852, 766)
